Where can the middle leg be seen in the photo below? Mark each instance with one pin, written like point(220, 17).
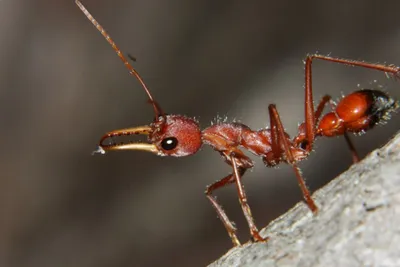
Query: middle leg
point(282, 148)
point(244, 203)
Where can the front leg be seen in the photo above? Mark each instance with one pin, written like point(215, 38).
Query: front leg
point(218, 208)
point(243, 201)
point(234, 158)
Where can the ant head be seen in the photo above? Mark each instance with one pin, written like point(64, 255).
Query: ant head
point(168, 135)
point(175, 135)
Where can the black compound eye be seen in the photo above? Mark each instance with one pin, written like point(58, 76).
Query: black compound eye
point(169, 143)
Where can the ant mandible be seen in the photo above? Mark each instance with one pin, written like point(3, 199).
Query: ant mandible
point(178, 136)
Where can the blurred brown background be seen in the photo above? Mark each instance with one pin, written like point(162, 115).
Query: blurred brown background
point(62, 87)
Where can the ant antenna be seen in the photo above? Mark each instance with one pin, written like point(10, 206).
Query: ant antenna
point(132, 71)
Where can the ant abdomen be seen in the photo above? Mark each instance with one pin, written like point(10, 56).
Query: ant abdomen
point(357, 112)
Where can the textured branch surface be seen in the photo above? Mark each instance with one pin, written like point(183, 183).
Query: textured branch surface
point(358, 223)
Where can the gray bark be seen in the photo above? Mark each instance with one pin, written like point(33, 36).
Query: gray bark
point(358, 223)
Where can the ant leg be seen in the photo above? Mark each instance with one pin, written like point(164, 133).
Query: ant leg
point(221, 213)
point(354, 154)
point(278, 140)
point(392, 69)
point(301, 139)
point(244, 203)
point(321, 106)
point(309, 104)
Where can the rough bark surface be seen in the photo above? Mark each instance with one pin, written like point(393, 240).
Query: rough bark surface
point(358, 223)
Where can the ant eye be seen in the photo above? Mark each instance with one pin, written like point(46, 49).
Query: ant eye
point(169, 143)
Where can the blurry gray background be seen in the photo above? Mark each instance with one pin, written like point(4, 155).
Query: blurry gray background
point(62, 87)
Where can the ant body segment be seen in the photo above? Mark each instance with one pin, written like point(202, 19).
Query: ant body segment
point(178, 135)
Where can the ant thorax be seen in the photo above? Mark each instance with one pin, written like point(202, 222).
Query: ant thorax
point(223, 135)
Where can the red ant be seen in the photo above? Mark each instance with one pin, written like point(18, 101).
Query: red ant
point(178, 136)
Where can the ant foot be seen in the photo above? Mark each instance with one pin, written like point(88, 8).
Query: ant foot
point(235, 241)
point(311, 204)
point(256, 237)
